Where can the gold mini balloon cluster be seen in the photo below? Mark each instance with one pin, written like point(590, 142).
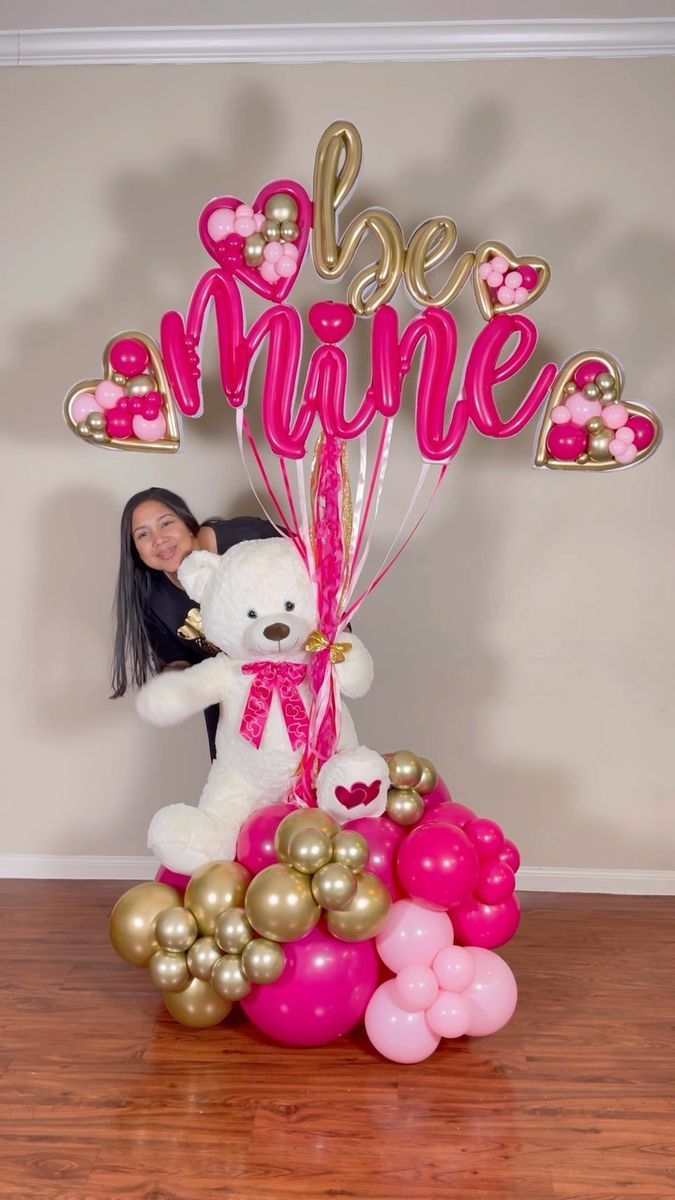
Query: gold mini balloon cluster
point(321, 867)
point(280, 225)
point(411, 777)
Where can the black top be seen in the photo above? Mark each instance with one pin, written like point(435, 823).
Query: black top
point(167, 608)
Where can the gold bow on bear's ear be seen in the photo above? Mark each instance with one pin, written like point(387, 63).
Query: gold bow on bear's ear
point(193, 631)
point(318, 641)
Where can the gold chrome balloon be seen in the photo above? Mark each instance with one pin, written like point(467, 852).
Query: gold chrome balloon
point(367, 913)
point(254, 248)
point(119, 379)
point(334, 886)
point(228, 979)
point(591, 392)
point(213, 888)
point(169, 971)
point(605, 382)
point(302, 818)
point(429, 245)
point(198, 1005)
point(133, 920)
point(280, 905)
point(308, 850)
point(281, 207)
point(428, 778)
point(351, 850)
point(140, 385)
point(598, 445)
point(100, 437)
point(263, 961)
point(96, 420)
point(233, 931)
point(404, 806)
point(271, 230)
point(176, 928)
point(83, 429)
point(405, 769)
point(202, 957)
point(289, 231)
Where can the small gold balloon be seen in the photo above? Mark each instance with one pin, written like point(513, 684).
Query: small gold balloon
point(281, 207)
point(228, 979)
point(119, 379)
point(83, 429)
point(428, 778)
point(233, 931)
point(289, 231)
point(605, 381)
point(99, 436)
point(213, 888)
point(591, 392)
point(140, 385)
point(571, 388)
point(334, 886)
point(595, 425)
point(133, 920)
point(351, 850)
point(609, 397)
point(198, 1005)
point(202, 957)
point(96, 420)
point(598, 445)
point(254, 247)
point(404, 806)
point(263, 961)
point(582, 460)
point(169, 971)
point(271, 230)
point(176, 928)
point(302, 818)
point(280, 905)
point(309, 850)
point(367, 913)
point(405, 769)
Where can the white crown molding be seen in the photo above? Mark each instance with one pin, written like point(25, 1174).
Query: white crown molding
point(403, 41)
point(530, 879)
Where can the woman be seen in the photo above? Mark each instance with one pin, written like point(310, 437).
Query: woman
point(156, 622)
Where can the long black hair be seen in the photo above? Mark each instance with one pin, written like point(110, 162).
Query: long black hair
point(133, 656)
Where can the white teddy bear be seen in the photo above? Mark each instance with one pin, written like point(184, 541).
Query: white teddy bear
point(258, 607)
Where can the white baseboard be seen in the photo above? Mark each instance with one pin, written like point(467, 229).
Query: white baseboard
point(374, 41)
point(530, 879)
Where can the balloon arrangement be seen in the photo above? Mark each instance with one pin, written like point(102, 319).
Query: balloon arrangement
point(297, 929)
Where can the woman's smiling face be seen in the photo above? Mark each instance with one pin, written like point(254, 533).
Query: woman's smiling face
point(161, 539)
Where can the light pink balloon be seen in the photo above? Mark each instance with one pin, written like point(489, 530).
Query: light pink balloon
point(449, 1015)
point(268, 272)
point(499, 263)
point(286, 267)
point(614, 416)
point(84, 404)
point(401, 1036)
point(493, 993)
point(625, 434)
point(220, 224)
point(244, 226)
point(108, 393)
point(243, 210)
point(561, 414)
point(416, 988)
point(484, 270)
point(273, 252)
point(495, 279)
point(521, 294)
point(582, 409)
point(506, 295)
point(413, 935)
point(623, 452)
point(149, 431)
point(513, 280)
point(454, 968)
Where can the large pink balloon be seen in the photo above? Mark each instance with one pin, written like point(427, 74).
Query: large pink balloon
point(437, 795)
point(255, 846)
point(321, 993)
point(399, 1035)
point(437, 864)
point(448, 813)
point(487, 925)
point(174, 880)
point(413, 935)
point(492, 995)
point(383, 838)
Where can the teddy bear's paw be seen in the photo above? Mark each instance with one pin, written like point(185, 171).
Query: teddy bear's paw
point(355, 674)
point(161, 701)
point(184, 838)
point(353, 783)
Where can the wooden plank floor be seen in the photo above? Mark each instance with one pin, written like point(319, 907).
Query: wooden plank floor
point(103, 1097)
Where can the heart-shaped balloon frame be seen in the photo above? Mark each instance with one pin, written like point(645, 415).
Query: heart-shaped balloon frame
point(487, 305)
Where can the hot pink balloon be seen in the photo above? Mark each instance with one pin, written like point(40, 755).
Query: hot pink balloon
point(149, 431)
point(174, 880)
point(643, 429)
point(492, 995)
point(487, 925)
point(129, 357)
point(567, 442)
point(529, 276)
point(450, 1015)
point(416, 987)
point(321, 993)
point(437, 864)
point(496, 882)
point(84, 404)
point(510, 855)
point(447, 813)
point(454, 968)
point(399, 1035)
point(383, 838)
point(255, 846)
point(413, 935)
point(486, 836)
point(587, 372)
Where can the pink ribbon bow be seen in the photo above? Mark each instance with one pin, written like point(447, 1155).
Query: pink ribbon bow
point(284, 679)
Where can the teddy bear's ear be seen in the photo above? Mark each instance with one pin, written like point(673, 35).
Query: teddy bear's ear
point(195, 571)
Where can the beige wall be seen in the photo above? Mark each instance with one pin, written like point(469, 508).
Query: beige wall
point(525, 641)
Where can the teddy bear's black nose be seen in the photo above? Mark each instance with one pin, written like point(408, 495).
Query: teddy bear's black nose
point(276, 632)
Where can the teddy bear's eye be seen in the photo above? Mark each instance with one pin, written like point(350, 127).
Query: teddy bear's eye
point(252, 614)
point(289, 606)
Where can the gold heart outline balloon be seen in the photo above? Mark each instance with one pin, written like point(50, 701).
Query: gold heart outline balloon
point(487, 305)
point(169, 443)
point(565, 376)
